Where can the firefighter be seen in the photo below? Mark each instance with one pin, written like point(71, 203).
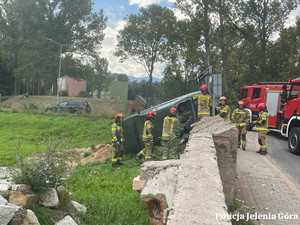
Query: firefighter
point(241, 117)
point(262, 128)
point(170, 133)
point(223, 108)
point(117, 140)
point(148, 134)
point(204, 102)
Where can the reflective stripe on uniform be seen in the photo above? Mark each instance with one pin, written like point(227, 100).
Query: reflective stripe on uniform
point(203, 113)
point(171, 131)
point(261, 128)
point(240, 124)
point(240, 112)
point(114, 159)
point(263, 146)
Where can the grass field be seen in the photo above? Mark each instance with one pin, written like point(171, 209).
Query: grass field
point(105, 191)
point(33, 132)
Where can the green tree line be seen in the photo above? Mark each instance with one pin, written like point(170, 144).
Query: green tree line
point(245, 40)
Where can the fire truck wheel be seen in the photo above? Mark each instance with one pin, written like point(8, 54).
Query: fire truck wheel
point(294, 140)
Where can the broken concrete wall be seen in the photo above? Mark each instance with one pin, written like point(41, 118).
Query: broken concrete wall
point(226, 141)
point(190, 190)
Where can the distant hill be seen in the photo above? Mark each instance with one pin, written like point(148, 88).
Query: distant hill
point(139, 79)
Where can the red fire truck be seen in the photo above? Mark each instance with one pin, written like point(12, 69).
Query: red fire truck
point(283, 103)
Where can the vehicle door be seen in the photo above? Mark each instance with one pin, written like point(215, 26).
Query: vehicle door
point(256, 98)
point(291, 107)
point(273, 100)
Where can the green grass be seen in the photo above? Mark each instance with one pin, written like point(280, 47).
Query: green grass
point(107, 193)
point(27, 131)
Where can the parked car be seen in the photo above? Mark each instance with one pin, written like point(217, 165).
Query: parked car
point(71, 106)
point(133, 125)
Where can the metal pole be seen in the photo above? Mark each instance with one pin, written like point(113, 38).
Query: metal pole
point(59, 67)
point(58, 80)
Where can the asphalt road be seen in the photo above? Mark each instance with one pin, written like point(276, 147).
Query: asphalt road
point(279, 153)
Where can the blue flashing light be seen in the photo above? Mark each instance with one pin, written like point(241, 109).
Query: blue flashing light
point(297, 78)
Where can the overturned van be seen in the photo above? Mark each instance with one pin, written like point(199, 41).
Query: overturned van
point(133, 125)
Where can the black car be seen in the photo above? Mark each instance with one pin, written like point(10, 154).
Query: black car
point(71, 106)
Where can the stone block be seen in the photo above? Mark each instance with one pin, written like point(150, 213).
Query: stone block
point(138, 184)
point(20, 199)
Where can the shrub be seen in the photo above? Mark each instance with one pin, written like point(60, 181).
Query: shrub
point(64, 93)
point(83, 94)
point(47, 170)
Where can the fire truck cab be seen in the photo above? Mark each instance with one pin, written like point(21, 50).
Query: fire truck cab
point(268, 93)
point(291, 115)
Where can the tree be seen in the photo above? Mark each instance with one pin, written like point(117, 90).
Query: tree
point(285, 54)
point(264, 17)
point(26, 25)
point(101, 76)
point(145, 37)
point(184, 60)
point(199, 12)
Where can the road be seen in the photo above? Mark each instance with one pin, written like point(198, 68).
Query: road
point(279, 153)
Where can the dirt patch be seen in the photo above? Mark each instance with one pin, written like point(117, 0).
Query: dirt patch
point(100, 153)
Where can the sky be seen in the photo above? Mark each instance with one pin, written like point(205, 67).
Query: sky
point(116, 10)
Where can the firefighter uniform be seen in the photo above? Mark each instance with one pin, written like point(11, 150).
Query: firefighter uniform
point(241, 117)
point(170, 134)
point(204, 104)
point(224, 111)
point(117, 141)
point(148, 133)
point(262, 128)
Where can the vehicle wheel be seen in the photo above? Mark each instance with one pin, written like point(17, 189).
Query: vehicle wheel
point(294, 140)
point(249, 127)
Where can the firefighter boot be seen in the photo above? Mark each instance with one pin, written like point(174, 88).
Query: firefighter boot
point(115, 164)
point(263, 152)
point(259, 151)
point(139, 158)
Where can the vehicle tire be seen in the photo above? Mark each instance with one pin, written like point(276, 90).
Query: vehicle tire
point(249, 127)
point(294, 140)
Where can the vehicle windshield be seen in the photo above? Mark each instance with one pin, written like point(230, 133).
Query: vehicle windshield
point(244, 93)
point(294, 92)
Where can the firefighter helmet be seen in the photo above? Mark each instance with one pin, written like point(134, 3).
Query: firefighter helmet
point(151, 114)
point(203, 87)
point(241, 103)
point(173, 110)
point(223, 98)
point(118, 116)
point(261, 106)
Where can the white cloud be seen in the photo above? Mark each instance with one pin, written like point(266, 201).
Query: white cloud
point(128, 67)
point(291, 21)
point(143, 3)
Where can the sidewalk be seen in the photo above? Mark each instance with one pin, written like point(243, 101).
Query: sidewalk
point(261, 185)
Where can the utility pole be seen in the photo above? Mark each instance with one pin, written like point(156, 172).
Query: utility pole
point(59, 67)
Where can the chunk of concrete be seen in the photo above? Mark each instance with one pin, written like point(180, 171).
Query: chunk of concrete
point(6, 213)
point(49, 198)
point(138, 184)
point(66, 221)
point(24, 200)
point(30, 218)
point(3, 201)
point(4, 189)
point(78, 207)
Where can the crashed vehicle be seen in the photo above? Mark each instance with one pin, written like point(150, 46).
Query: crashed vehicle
point(133, 126)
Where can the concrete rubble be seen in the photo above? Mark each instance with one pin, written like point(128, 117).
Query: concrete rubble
point(199, 186)
point(15, 198)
